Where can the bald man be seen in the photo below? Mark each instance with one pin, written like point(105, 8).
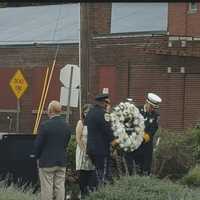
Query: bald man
point(50, 150)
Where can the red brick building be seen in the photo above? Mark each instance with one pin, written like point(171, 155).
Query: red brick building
point(132, 64)
point(184, 19)
point(129, 63)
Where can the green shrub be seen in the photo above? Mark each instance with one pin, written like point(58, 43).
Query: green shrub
point(174, 155)
point(196, 143)
point(71, 173)
point(144, 188)
point(193, 177)
point(71, 153)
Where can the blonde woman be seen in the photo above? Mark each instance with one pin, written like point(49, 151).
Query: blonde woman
point(83, 163)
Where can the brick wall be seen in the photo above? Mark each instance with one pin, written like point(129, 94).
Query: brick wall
point(181, 21)
point(192, 96)
point(139, 71)
point(99, 17)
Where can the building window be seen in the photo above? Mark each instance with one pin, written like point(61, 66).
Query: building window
point(193, 7)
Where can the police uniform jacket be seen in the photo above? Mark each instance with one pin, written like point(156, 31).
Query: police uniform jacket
point(51, 143)
point(151, 122)
point(99, 132)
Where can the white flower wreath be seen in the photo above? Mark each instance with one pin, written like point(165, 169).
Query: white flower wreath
point(128, 125)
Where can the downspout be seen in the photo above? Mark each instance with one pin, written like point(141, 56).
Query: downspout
point(186, 19)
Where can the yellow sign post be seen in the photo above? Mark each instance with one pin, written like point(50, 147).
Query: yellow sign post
point(18, 85)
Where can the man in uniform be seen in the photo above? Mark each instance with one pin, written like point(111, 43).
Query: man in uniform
point(143, 155)
point(100, 136)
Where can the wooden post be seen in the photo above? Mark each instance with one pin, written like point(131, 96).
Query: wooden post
point(84, 47)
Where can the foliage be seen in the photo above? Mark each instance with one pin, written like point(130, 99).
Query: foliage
point(144, 188)
point(193, 177)
point(71, 173)
point(127, 187)
point(14, 193)
point(175, 154)
point(71, 153)
point(196, 143)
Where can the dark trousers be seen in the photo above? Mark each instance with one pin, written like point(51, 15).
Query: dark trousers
point(87, 181)
point(141, 159)
point(103, 168)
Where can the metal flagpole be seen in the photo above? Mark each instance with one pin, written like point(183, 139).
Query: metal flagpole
point(41, 102)
point(49, 77)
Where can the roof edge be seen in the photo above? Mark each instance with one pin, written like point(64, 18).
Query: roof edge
point(36, 44)
point(130, 34)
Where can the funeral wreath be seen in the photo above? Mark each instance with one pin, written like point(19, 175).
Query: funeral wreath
point(128, 125)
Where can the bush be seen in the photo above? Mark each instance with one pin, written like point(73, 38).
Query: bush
point(14, 193)
point(193, 177)
point(71, 153)
point(196, 143)
point(71, 173)
point(174, 155)
point(144, 188)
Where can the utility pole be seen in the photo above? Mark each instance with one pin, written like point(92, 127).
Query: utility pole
point(84, 50)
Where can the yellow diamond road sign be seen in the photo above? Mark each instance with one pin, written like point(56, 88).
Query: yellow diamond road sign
point(18, 84)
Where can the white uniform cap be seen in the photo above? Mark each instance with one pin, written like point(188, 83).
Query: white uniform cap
point(153, 99)
point(129, 99)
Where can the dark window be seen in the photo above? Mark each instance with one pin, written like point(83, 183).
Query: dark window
point(193, 7)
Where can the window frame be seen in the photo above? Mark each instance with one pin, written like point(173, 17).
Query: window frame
point(192, 7)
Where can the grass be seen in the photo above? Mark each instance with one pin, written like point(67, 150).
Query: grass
point(13, 192)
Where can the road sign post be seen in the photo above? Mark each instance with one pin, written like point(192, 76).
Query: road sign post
point(18, 111)
point(69, 94)
point(18, 85)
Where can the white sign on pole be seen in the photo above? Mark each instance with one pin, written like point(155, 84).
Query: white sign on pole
point(73, 98)
point(105, 91)
point(65, 79)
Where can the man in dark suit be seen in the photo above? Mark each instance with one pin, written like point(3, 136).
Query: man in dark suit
point(50, 149)
point(100, 136)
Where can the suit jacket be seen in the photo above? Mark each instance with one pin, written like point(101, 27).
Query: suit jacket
point(51, 143)
point(100, 133)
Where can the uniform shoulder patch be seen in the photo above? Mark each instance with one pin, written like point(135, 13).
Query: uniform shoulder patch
point(107, 117)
